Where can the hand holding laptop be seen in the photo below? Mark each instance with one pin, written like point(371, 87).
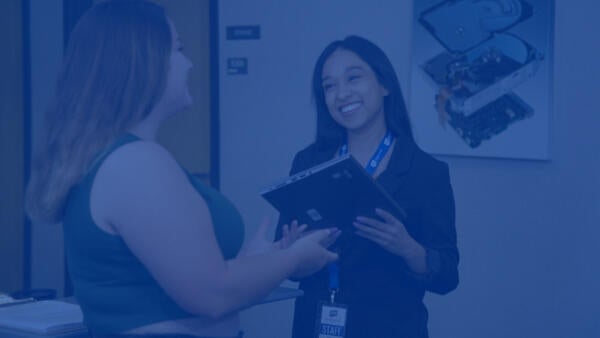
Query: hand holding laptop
point(292, 233)
point(387, 231)
point(259, 243)
point(308, 251)
point(390, 234)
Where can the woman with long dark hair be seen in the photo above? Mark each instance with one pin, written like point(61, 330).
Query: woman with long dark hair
point(386, 264)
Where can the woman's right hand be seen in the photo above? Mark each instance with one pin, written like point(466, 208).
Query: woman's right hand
point(310, 254)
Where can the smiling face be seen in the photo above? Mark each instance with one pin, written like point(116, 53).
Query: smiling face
point(353, 94)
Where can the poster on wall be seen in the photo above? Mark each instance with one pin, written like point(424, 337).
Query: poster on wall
point(481, 77)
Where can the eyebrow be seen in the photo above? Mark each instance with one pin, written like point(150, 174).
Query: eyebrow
point(354, 68)
point(349, 69)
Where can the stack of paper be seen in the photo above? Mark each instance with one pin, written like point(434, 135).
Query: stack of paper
point(6, 300)
point(43, 317)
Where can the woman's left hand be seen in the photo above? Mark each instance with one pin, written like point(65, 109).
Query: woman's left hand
point(390, 233)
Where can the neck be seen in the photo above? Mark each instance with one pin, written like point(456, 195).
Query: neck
point(148, 128)
point(363, 142)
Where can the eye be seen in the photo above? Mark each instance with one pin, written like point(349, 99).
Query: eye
point(328, 86)
point(354, 77)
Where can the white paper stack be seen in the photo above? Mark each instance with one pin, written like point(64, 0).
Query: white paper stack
point(45, 317)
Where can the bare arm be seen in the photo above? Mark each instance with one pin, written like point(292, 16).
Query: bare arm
point(142, 193)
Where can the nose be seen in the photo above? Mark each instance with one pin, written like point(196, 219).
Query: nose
point(343, 92)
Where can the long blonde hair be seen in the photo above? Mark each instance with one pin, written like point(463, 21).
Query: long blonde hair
point(114, 72)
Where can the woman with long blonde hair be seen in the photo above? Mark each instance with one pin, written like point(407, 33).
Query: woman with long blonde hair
point(150, 250)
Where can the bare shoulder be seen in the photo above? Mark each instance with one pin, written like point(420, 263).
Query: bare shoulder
point(139, 157)
point(138, 168)
point(138, 176)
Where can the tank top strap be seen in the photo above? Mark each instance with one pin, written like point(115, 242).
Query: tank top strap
point(102, 155)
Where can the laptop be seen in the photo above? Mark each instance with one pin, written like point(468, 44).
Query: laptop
point(331, 194)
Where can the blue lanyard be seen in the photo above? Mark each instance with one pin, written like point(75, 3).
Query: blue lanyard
point(384, 146)
point(382, 150)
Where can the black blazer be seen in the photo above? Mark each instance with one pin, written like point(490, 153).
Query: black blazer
point(384, 297)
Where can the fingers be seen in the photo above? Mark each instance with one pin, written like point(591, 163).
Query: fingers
point(283, 241)
point(285, 231)
point(302, 228)
point(320, 235)
point(333, 236)
point(377, 240)
point(387, 217)
point(291, 233)
point(373, 223)
point(294, 227)
point(296, 230)
point(389, 224)
point(371, 233)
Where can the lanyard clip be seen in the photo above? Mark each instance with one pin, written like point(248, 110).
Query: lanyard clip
point(332, 296)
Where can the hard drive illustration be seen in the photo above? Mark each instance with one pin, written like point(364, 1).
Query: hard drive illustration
point(475, 77)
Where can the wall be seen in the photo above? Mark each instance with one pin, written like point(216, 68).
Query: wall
point(11, 147)
point(46, 43)
point(528, 230)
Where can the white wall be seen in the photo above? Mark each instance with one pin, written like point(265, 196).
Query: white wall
point(528, 231)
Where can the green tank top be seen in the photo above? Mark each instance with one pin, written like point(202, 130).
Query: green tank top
point(115, 291)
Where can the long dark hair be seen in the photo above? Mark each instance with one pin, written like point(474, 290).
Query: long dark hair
point(114, 72)
point(329, 133)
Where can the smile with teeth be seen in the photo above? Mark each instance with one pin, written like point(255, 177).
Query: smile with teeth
point(349, 107)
